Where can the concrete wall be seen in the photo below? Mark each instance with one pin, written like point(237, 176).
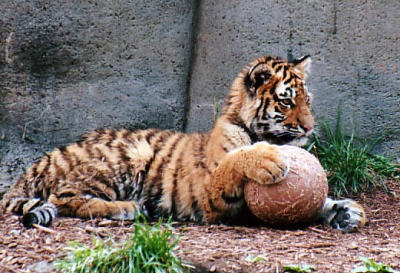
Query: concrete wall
point(67, 67)
point(355, 49)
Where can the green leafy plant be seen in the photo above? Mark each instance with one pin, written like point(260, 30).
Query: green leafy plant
point(350, 165)
point(255, 259)
point(149, 249)
point(371, 266)
point(305, 268)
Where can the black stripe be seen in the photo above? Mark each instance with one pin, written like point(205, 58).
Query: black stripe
point(59, 171)
point(65, 195)
point(251, 70)
point(275, 63)
point(229, 140)
point(47, 213)
point(260, 106)
point(160, 139)
point(74, 158)
point(153, 196)
point(40, 212)
point(62, 149)
point(126, 134)
point(174, 192)
point(105, 157)
point(232, 199)
point(224, 148)
point(264, 112)
point(201, 154)
point(273, 88)
point(150, 134)
point(123, 153)
point(34, 170)
point(196, 211)
point(66, 158)
point(111, 136)
point(202, 165)
point(98, 193)
point(253, 136)
point(20, 208)
point(79, 143)
point(285, 68)
point(166, 160)
point(193, 206)
point(45, 171)
point(88, 150)
point(213, 207)
point(117, 191)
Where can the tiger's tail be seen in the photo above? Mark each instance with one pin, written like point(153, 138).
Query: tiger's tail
point(43, 213)
point(33, 210)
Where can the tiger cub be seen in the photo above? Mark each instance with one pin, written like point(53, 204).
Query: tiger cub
point(195, 177)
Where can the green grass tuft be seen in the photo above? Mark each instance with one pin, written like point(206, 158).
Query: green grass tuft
point(350, 165)
point(370, 266)
point(149, 249)
point(305, 268)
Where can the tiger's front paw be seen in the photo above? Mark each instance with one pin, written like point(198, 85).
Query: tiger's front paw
point(345, 215)
point(267, 165)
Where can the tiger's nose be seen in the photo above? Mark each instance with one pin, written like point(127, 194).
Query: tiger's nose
point(307, 128)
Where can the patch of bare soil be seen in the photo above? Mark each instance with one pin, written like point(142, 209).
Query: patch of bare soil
point(220, 248)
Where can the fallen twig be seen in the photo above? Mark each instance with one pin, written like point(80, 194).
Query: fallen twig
point(318, 245)
point(45, 229)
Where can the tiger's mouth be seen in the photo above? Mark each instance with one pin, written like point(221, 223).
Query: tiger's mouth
point(285, 137)
point(279, 134)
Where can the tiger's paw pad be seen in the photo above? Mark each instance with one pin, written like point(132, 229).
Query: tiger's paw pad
point(346, 216)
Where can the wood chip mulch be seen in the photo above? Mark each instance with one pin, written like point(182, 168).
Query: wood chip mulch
point(220, 248)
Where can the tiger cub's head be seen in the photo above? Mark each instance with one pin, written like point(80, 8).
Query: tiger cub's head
point(271, 99)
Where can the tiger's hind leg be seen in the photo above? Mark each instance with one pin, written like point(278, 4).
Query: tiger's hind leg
point(43, 213)
point(88, 206)
point(345, 215)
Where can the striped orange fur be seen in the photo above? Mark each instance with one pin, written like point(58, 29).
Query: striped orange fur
point(196, 177)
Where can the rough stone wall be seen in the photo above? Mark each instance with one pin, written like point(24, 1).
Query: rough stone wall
point(355, 49)
point(67, 67)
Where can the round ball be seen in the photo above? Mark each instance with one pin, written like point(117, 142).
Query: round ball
point(295, 200)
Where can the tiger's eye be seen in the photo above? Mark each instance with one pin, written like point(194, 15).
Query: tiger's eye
point(287, 101)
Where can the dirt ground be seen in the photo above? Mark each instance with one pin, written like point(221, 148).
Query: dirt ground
point(220, 248)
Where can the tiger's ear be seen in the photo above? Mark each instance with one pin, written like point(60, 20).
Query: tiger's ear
point(256, 76)
point(303, 65)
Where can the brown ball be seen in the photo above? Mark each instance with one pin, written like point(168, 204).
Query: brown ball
point(295, 200)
